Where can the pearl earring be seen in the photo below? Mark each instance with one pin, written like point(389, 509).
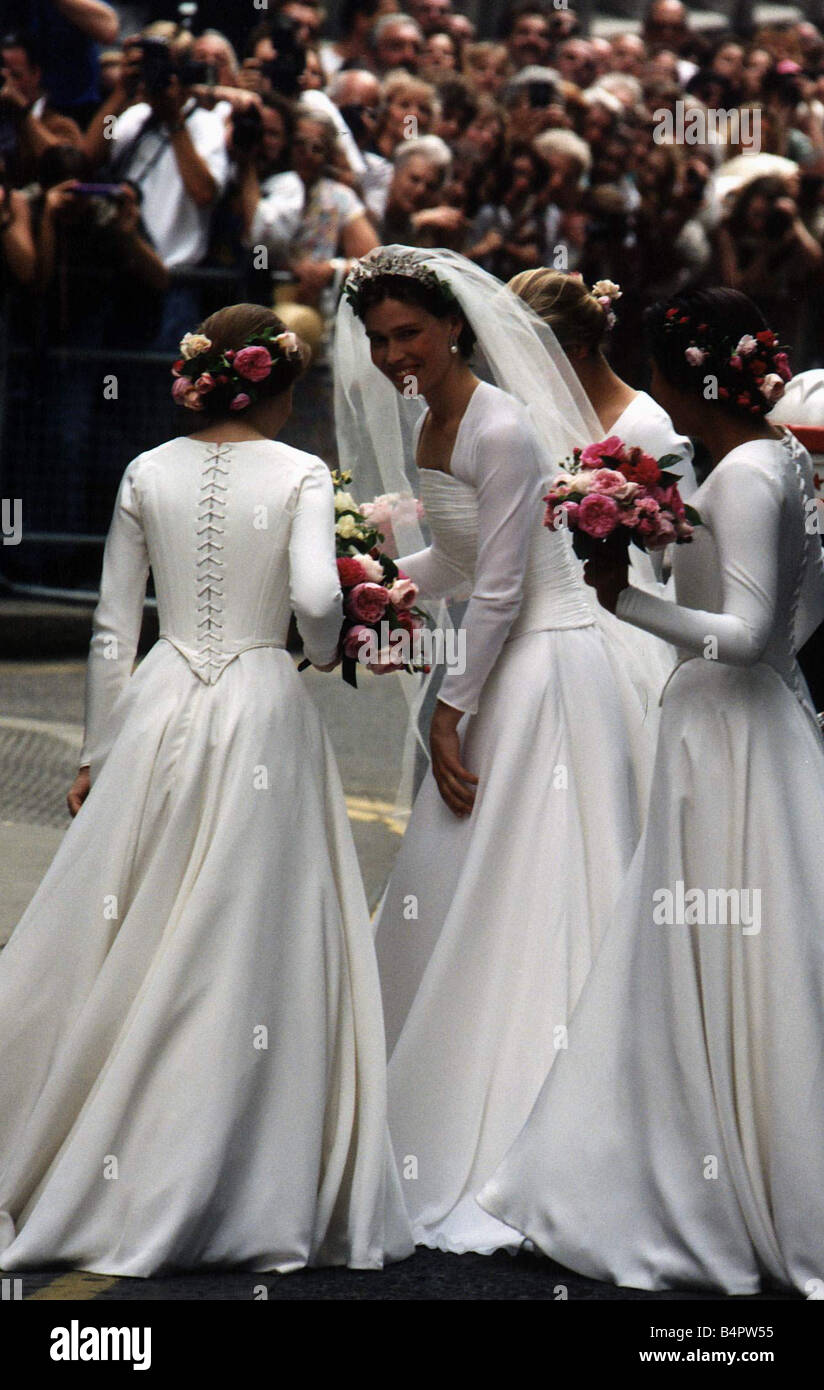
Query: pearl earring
point(453, 347)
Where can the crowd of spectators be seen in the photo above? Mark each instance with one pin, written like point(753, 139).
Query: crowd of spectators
point(138, 168)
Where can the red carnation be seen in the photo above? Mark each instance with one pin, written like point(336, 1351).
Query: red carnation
point(766, 336)
point(641, 468)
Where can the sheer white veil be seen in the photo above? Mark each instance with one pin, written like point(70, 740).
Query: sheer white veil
point(515, 351)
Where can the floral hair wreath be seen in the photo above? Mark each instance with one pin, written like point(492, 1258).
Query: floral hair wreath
point(605, 292)
point(752, 357)
point(376, 265)
point(236, 375)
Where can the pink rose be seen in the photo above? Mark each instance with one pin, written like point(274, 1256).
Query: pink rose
point(367, 602)
point(357, 637)
point(664, 533)
point(253, 363)
point(746, 346)
point(612, 447)
point(782, 366)
point(598, 516)
point(403, 592)
point(184, 392)
point(737, 362)
point(669, 497)
point(610, 483)
point(240, 401)
point(695, 356)
point(772, 387)
point(205, 383)
point(350, 571)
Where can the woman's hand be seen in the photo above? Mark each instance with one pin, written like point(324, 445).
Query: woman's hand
point(331, 666)
point(607, 578)
point(79, 790)
point(455, 784)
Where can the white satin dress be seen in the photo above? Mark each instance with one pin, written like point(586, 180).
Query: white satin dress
point(192, 1068)
point(679, 1140)
point(490, 923)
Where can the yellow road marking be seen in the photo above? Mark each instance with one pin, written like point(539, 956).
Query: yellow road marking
point(364, 808)
point(77, 1284)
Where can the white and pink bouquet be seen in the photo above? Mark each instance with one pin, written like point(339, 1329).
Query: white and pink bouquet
point(389, 510)
point(611, 494)
point(380, 620)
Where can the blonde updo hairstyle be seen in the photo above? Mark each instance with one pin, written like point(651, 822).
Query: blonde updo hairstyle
point(564, 302)
point(232, 327)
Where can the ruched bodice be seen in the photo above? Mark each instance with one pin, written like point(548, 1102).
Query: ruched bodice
point(237, 536)
point(553, 592)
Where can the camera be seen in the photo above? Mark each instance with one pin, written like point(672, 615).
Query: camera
point(158, 64)
point(285, 69)
point(777, 222)
point(540, 94)
point(247, 130)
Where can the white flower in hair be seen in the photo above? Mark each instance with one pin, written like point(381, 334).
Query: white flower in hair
point(288, 344)
point(192, 344)
point(772, 387)
point(607, 289)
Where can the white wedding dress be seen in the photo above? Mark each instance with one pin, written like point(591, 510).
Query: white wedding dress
point(679, 1140)
point(192, 1065)
point(490, 923)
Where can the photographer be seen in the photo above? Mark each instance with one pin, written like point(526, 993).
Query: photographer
point(174, 151)
point(766, 251)
point(28, 122)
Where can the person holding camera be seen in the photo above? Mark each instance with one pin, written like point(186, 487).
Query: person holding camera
point(766, 251)
point(174, 151)
point(29, 123)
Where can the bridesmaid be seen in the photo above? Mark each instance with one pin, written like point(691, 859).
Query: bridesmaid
point(679, 1140)
point(580, 319)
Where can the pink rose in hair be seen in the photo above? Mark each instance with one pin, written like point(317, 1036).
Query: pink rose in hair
point(184, 392)
point(253, 363)
point(205, 383)
point(367, 602)
point(782, 366)
point(613, 447)
point(240, 401)
point(598, 516)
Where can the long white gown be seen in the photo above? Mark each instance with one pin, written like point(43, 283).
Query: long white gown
point(490, 923)
point(192, 1066)
point(679, 1141)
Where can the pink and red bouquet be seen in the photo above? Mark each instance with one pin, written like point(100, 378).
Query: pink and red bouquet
point(611, 493)
point(380, 618)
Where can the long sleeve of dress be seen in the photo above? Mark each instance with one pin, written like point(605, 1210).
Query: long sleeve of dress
point(117, 618)
point(436, 575)
point(747, 541)
point(313, 574)
point(504, 468)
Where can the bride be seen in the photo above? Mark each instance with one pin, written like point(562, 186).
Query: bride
point(523, 829)
point(192, 1066)
point(679, 1141)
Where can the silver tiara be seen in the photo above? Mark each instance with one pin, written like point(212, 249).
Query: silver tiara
point(388, 261)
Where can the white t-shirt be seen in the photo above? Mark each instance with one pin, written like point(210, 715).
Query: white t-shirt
point(178, 228)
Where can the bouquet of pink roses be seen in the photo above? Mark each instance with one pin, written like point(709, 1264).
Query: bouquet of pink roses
point(380, 621)
point(611, 494)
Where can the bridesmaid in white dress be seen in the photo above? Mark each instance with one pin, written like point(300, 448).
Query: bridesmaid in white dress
point(679, 1141)
point(192, 1066)
point(524, 827)
point(581, 320)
